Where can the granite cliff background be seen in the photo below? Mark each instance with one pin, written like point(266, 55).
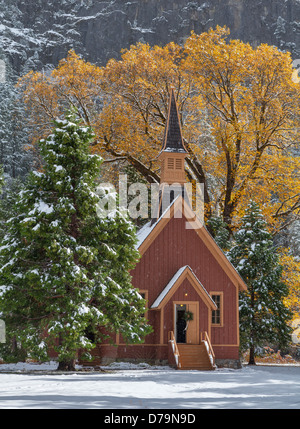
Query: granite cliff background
point(34, 33)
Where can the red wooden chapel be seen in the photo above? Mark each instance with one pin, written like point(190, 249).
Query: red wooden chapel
point(190, 287)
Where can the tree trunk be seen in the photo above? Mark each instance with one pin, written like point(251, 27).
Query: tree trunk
point(66, 365)
point(251, 356)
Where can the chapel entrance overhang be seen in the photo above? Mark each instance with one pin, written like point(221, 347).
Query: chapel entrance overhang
point(185, 291)
point(183, 273)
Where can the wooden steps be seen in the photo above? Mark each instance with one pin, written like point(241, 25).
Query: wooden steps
point(195, 357)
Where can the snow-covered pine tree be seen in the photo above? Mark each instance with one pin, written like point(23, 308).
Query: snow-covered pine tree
point(14, 158)
point(64, 270)
point(263, 315)
point(220, 232)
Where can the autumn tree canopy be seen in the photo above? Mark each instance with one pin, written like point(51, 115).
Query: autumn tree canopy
point(238, 105)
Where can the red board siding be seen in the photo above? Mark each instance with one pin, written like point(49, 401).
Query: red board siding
point(174, 248)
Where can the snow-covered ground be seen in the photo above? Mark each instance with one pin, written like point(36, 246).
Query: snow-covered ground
point(144, 387)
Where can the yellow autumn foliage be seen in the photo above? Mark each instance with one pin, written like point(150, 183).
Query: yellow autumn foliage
point(291, 275)
point(239, 108)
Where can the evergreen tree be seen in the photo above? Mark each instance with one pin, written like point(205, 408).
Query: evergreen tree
point(65, 270)
point(263, 315)
point(220, 232)
point(15, 157)
point(9, 194)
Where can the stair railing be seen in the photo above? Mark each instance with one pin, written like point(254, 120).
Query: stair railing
point(176, 353)
point(205, 339)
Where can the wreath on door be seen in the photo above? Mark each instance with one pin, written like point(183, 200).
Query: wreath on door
point(188, 316)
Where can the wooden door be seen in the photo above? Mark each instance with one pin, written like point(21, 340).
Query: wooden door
point(192, 332)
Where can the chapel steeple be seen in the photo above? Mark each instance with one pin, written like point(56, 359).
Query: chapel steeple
point(173, 150)
point(172, 156)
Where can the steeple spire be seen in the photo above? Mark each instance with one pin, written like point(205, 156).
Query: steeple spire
point(173, 141)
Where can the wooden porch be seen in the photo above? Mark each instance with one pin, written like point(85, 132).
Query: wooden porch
point(199, 357)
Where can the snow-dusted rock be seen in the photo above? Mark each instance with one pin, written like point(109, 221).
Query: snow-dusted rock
point(34, 33)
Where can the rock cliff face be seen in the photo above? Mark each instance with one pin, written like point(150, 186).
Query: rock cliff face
point(34, 33)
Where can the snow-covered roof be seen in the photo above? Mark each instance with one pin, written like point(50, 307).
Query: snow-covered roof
point(168, 287)
point(173, 281)
point(144, 232)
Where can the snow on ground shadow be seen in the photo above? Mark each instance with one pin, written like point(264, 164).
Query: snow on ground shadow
point(121, 387)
